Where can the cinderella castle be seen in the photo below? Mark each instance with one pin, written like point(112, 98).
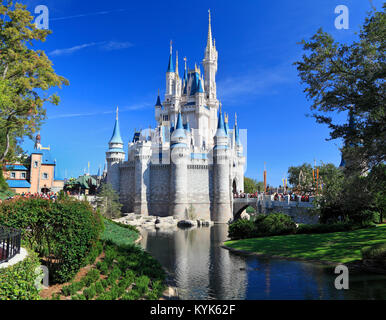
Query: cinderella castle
point(190, 164)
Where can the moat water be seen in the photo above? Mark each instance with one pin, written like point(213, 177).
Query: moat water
point(201, 269)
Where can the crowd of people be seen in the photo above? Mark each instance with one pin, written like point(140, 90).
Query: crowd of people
point(49, 196)
point(276, 196)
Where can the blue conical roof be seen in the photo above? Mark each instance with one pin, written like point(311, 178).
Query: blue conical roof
point(179, 131)
point(179, 122)
point(116, 137)
point(158, 103)
point(220, 126)
point(170, 65)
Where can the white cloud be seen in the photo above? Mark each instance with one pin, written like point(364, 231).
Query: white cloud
point(104, 45)
point(261, 82)
point(132, 107)
point(113, 45)
point(67, 51)
point(87, 15)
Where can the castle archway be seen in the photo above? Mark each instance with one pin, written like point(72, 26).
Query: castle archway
point(234, 187)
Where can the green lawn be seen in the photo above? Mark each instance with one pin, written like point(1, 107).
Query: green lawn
point(117, 234)
point(334, 247)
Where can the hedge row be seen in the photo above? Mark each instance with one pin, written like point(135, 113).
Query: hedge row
point(18, 281)
point(280, 224)
point(63, 233)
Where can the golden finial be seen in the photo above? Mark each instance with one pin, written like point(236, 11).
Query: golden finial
point(158, 92)
point(185, 62)
point(235, 119)
point(225, 117)
point(117, 114)
point(171, 46)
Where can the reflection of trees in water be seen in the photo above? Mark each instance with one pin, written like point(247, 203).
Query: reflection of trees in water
point(361, 286)
point(204, 270)
point(319, 282)
point(227, 274)
point(369, 286)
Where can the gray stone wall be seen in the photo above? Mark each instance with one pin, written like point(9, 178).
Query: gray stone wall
point(159, 190)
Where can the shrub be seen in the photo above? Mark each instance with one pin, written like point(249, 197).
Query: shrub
point(261, 226)
point(90, 292)
point(142, 284)
point(376, 252)
point(276, 224)
point(63, 232)
point(17, 282)
point(241, 229)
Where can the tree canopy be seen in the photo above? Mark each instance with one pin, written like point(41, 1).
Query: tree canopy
point(26, 77)
point(350, 78)
point(252, 185)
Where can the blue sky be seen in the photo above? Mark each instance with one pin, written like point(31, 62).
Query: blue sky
point(116, 53)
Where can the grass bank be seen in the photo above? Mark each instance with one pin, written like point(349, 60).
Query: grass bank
point(122, 271)
point(333, 247)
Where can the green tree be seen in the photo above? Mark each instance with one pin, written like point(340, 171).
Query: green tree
point(252, 185)
point(26, 77)
point(108, 202)
point(350, 78)
point(301, 176)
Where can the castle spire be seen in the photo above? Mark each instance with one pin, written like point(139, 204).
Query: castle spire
point(158, 103)
point(170, 65)
point(209, 41)
point(236, 130)
point(177, 64)
point(116, 137)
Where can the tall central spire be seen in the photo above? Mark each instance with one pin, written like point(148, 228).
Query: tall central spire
point(170, 65)
point(209, 41)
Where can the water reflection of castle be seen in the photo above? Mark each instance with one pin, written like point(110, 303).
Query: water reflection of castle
point(202, 269)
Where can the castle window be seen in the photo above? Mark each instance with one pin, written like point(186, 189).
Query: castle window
point(45, 176)
point(36, 164)
point(22, 175)
point(13, 175)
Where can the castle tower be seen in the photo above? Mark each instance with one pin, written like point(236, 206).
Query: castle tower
point(179, 171)
point(210, 66)
point(115, 156)
point(170, 75)
point(158, 109)
point(142, 177)
point(222, 211)
point(238, 147)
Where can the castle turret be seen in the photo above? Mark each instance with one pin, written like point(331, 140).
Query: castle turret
point(210, 65)
point(170, 75)
point(142, 177)
point(240, 159)
point(158, 109)
point(115, 156)
point(179, 171)
point(222, 211)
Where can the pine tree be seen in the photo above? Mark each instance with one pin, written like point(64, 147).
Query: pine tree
point(108, 202)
